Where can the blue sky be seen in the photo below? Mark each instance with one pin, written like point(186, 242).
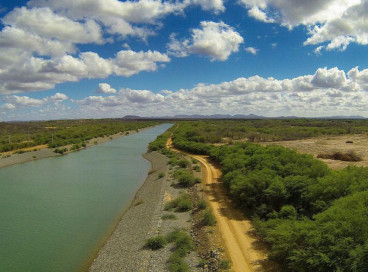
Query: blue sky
point(110, 58)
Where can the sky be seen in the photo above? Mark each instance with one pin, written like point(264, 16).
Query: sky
point(62, 59)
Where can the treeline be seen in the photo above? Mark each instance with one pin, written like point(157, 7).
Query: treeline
point(312, 217)
point(218, 131)
point(62, 132)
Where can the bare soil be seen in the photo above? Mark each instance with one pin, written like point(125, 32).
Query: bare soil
point(328, 145)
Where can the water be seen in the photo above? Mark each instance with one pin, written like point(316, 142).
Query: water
point(54, 212)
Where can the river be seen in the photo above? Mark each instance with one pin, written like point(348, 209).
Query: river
point(55, 212)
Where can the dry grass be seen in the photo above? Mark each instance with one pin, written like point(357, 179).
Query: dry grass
point(340, 156)
point(357, 144)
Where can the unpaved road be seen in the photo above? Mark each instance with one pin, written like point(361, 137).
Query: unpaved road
point(236, 230)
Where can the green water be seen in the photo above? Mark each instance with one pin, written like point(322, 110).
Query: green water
point(54, 212)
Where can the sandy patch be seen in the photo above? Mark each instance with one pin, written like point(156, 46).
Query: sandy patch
point(315, 146)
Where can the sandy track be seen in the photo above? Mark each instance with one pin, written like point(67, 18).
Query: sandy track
point(237, 232)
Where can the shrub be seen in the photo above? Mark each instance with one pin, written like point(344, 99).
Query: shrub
point(169, 217)
point(208, 219)
point(196, 168)
point(181, 204)
point(224, 265)
point(156, 242)
point(340, 156)
point(183, 244)
point(185, 179)
point(202, 204)
point(161, 175)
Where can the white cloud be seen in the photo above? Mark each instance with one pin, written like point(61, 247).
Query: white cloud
point(216, 40)
point(332, 78)
point(252, 50)
point(128, 62)
point(338, 22)
point(24, 101)
point(105, 88)
point(216, 5)
point(16, 38)
point(327, 92)
point(58, 97)
point(259, 14)
point(8, 106)
point(44, 22)
point(32, 74)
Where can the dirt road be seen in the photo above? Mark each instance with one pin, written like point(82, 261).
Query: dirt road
point(236, 231)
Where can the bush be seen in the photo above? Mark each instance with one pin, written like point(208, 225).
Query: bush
point(181, 204)
point(161, 175)
point(183, 244)
point(196, 168)
point(185, 179)
point(169, 217)
point(202, 204)
point(224, 265)
point(340, 156)
point(156, 242)
point(208, 219)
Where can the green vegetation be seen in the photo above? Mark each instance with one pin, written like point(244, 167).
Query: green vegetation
point(59, 133)
point(169, 216)
point(208, 219)
point(191, 133)
point(156, 242)
point(181, 204)
point(224, 265)
point(182, 245)
point(202, 204)
point(185, 178)
point(161, 175)
point(312, 217)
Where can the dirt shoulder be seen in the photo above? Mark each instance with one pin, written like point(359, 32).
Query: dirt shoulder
point(242, 246)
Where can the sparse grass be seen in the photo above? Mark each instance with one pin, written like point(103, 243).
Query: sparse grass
point(156, 242)
point(169, 216)
point(196, 168)
point(185, 178)
point(340, 156)
point(151, 171)
point(208, 219)
point(139, 202)
point(224, 265)
point(181, 204)
point(182, 245)
point(202, 204)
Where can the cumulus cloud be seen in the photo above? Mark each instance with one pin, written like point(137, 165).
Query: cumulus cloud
point(252, 50)
point(216, 40)
point(105, 88)
point(123, 17)
point(44, 22)
point(33, 74)
point(215, 5)
point(337, 22)
point(58, 97)
point(327, 91)
point(15, 101)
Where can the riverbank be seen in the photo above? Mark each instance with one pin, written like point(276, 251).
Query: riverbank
point(16, 157)
point(123, 250)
